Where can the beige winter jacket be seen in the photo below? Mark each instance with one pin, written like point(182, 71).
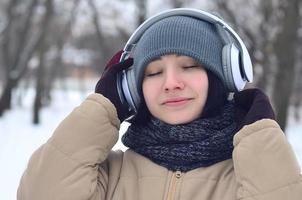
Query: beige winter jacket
point(77, 164)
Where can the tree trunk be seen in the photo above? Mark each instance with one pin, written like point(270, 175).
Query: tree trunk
point(5, 100)
point(285, 48)
point(40, 87)
point(37, 104)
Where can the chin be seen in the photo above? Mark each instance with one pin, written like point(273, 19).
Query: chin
point(177, 121)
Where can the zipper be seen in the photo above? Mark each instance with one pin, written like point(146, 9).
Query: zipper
point(172, 187)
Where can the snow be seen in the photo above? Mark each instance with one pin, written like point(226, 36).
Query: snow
point(19, 138)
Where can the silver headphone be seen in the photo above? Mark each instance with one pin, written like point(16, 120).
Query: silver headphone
point(236, 62)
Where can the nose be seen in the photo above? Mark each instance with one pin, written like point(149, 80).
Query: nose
point(173, 81)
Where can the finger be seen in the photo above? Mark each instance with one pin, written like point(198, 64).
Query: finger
point(245, 98)
point(114, 60)
point(122, 65)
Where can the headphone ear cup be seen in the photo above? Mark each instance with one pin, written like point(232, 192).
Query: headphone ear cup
point(133, 89)
point(127, 90)
point(119, 80)
point(231, 68)
point(227, 68)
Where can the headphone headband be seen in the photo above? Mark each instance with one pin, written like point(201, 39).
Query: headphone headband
point(199, 14)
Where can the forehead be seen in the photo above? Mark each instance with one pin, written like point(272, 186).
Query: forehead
point(174, 57)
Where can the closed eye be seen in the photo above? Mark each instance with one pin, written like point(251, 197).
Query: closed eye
point(190, 66)
point(153, 74)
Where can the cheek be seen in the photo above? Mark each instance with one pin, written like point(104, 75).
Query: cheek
point(148, 92)
point(204, 87)
point(201, 84)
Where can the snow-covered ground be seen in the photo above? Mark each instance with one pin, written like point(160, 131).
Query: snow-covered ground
point(19, 138)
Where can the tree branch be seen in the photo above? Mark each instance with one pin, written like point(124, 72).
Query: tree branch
point(23, 34)
point(37, 40)
point(5, 35)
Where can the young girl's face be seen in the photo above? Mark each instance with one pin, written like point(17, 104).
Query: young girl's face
point(175, 89)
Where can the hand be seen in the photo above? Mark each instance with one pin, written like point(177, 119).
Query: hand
point(107, 84)
point(252, 105)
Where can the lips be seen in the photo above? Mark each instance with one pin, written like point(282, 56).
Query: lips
point(176, 101)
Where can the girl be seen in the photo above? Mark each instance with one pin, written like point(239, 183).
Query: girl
point(187, 139)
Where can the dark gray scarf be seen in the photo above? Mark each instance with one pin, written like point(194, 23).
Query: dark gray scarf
point(200, 143)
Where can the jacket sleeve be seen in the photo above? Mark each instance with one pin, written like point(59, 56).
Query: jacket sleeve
point(67, 166)
point(264, 163)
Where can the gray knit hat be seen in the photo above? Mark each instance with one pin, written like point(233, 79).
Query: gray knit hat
point(180, 35)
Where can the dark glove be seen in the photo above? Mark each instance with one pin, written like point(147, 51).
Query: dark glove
point(107, 84)
point(252, 105)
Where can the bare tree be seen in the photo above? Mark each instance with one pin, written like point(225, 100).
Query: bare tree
point(107, 44)
point(6, 57)
point(19, 42)
point(285, 47)
point(297, 97)
point(104, 46)
point(40, 76)
point(57, 68)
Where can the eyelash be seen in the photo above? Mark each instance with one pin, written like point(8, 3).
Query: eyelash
point(189, 67)
point(153, 74)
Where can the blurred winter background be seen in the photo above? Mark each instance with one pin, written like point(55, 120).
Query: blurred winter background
point(52, 52)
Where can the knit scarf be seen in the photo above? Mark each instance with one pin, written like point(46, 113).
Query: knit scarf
point(200, 143)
